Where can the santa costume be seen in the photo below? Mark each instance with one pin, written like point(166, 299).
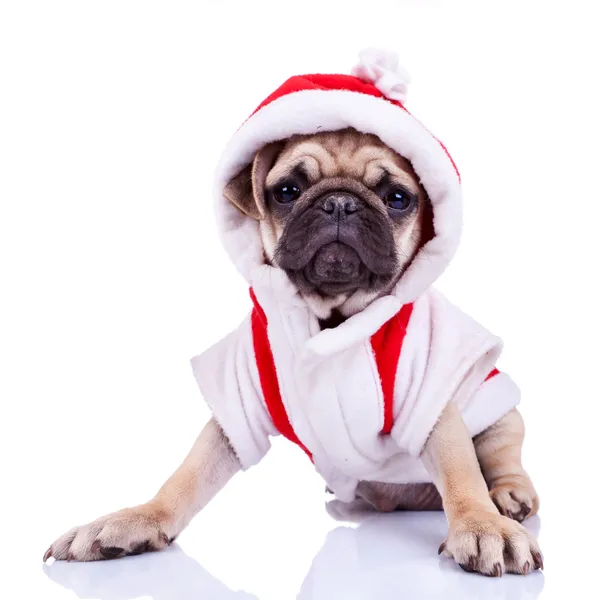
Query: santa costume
point(362, 398)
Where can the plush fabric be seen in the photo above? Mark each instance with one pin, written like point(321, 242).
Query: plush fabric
point(362, 398)
point(325, 391)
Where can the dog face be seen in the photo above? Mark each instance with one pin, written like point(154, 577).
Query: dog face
point(340, 212)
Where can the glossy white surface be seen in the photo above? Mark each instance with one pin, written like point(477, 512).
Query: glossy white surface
point(382, 557)
point(111, 117)
point(270, 536)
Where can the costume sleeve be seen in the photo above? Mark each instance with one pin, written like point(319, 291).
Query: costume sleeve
point(451, 357)
point(496, 396)
point(228, 379)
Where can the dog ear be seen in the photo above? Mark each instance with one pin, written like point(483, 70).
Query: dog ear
point(247, 189)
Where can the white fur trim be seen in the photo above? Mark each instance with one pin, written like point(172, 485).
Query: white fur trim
point(356, 329)
point(381, 68)
point(312, 111)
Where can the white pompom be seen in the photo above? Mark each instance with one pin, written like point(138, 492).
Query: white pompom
point(381, 68)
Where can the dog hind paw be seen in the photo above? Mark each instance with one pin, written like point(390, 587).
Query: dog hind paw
point(515, 499)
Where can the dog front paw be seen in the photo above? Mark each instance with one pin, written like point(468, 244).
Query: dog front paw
point(485, 542)
point(127, 532)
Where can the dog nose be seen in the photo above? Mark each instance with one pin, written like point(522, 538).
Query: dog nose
point(340, 204)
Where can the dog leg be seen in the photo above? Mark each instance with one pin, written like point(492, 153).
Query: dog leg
point(208, 467)
point(498, 450)
point(479, 538)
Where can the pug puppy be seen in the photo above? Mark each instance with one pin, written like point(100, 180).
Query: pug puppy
point(316, 207)
point(344, 216)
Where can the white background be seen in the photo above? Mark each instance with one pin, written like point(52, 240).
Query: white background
point(112, 116)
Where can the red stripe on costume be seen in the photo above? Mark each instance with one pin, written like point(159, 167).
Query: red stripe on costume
point(491, 374)
point(387, 346)
point(268, 375)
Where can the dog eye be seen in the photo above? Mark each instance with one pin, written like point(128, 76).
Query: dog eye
point(288, 192)
point(397, 199)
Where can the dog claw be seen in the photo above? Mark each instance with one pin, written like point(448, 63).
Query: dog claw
point(442, 548)
point(497, 571)
point(538, 561)
point(48, 554)
point(111, 552)
point(140, 548)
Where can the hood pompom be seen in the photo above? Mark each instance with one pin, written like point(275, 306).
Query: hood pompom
point(381, 68)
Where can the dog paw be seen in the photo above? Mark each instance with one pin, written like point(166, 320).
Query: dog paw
point(491, 544)
point(127, 532)
point(515, 499)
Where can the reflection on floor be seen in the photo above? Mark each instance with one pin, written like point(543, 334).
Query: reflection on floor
point(375, 556)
